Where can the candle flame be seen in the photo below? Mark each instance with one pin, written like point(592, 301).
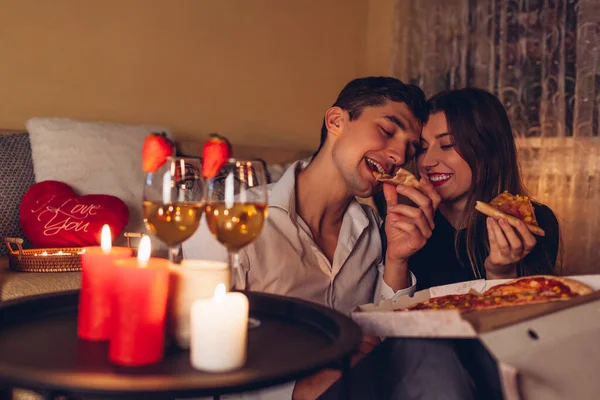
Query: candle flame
point(106, 239)
point(219, 292)
point(144, 251)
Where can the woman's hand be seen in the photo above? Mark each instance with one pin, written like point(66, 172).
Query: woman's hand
point(507, 247)
point(407, 228)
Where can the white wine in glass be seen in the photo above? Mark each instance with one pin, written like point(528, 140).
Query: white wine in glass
point(172, 223)
point(238, 225)
point(236, 205)
point(174, 201)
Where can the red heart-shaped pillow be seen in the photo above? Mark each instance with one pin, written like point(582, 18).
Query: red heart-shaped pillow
point(52, 215)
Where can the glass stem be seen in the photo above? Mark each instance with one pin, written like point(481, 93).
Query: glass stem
point(175, 254)
point(234, 263)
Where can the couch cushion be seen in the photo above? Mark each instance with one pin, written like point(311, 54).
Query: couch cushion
point(93, 158)
point(16, 173)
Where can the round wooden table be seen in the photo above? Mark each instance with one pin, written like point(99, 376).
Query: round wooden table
point(39, 350)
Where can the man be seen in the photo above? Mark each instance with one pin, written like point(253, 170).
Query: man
point(319, 243)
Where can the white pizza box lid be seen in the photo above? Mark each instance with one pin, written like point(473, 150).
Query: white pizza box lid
point(382, 319)
point(550, 357)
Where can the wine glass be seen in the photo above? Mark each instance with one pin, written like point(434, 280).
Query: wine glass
point(174, 201)
point(236, 205)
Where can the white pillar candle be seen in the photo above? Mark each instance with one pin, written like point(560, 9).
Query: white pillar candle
point(189, 281)
point(219, 331)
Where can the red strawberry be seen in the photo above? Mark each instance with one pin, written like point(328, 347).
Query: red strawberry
point(215, 152)
point(157, 147)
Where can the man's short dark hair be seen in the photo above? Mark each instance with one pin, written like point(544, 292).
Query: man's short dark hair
point(375, 91)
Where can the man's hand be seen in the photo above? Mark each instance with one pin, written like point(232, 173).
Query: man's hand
point(407, 228)
point(315, 385)
point(507, 247)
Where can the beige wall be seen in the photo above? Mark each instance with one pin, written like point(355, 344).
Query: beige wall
point(380, 35)
point(260, 71)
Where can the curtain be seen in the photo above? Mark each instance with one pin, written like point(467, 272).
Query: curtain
point(542, 59)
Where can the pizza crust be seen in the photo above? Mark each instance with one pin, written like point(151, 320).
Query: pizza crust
point(402, 177)
point(493, 212)
point(574, 285)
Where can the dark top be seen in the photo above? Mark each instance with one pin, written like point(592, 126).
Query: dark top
point(438, 264)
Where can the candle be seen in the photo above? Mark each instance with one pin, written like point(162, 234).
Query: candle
point(189, 281)
point(219, 331)
point(140, 305)
point(94, 320)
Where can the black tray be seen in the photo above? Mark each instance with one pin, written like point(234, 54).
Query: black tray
point(39, 350)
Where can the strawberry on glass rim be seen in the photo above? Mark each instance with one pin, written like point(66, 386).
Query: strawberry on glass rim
point(216, 151)
point(157, 147)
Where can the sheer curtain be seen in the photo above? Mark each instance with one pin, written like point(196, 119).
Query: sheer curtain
point(542, 59)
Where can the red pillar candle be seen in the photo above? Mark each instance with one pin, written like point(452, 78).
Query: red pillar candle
point(94, 320)
point(140, 305)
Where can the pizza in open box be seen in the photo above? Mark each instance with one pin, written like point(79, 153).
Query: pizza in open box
point(527, 290)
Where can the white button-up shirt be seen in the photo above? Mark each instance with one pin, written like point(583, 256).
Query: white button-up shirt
point(285, 259)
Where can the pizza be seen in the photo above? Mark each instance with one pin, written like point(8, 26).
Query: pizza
point(544, 285)
point(527, 290)
point(402, 177)
point(512, 208)
point(472, 302)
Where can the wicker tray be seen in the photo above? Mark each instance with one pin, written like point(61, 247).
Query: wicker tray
point(60, 259)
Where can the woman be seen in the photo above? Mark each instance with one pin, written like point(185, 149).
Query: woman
point(468, 153)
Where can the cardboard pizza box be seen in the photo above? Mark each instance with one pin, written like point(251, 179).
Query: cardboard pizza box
point(544, 351)
point(550, 357)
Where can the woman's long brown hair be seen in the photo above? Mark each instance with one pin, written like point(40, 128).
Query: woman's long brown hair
point(484, 139)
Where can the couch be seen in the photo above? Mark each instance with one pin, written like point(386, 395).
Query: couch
point(17, 284)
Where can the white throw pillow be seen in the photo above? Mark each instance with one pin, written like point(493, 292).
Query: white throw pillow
point(94, 158)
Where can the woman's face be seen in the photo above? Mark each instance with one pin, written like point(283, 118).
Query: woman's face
point(441, 163)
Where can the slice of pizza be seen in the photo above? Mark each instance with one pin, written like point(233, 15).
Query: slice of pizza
point(448, 302)
point(544, 285)
point(527, 290)
point(471, 302)
point(402, 177)
point(475, 302)
point(512, 208)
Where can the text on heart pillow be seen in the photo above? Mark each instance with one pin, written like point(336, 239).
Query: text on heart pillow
point(53, 215)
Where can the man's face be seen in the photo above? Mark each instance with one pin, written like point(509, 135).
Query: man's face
point(381, 139)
